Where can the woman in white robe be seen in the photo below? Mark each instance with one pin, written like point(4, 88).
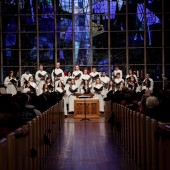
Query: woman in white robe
point(86, 88)
point(73, 89)
point(60, 89)
point(129, 75)
point(33, 85)
point(48, 82)
point(11, 84)
point(98, 92)
point(40, 77)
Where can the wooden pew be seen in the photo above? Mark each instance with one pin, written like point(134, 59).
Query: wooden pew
point(164, 143)
point(134, 114)
point(148, 139)
point(138, 139)
point(167, 151)
point(11, 151)
point(107, 109)
point(154, 145)
point(3, 154)
point(143, 141)
point(18, 146)
point(30, 145)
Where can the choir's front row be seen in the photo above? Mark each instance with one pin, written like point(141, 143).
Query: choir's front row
point(98, 84)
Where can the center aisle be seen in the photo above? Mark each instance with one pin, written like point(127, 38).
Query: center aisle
point(87, 145)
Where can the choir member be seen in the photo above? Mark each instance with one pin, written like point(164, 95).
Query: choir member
point(132, 84)
point(111, 86)
point(62, 93)
point(118, 82)
point(67, 77)
point(98, 92)
point(45, 88)
point(48, 82)
point(110, 91)
point(77, 72)
point(27, 88)
point(148, 83)
point(73, 89)
point(94, 75)
point(57, 75)
point(33, 85)
point(85, 75)
point(11, 84)
point(86, 88)
point(130, 74)
point(116, 70)
point(105, 81)
point(25, 77)
point(67, 85)
point(40, 77)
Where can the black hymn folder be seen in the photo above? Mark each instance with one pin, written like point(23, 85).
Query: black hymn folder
point(13, 81)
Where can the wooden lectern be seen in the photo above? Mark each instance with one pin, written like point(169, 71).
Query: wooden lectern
point(90, 106)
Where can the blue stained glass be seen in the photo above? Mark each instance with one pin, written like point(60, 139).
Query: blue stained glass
point(151, 19)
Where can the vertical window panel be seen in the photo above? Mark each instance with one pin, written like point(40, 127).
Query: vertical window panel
point(29, 57)
point(10, 57)
point(136, 56)
point(100, 57)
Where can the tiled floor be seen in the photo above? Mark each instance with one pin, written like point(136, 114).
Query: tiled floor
point(87, 145)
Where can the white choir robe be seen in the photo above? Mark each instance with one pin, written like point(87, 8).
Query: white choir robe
point(59, 89)
point(117, 81)
point(78, 83)
point(71, 99)
point(93, 74)
point(57, 72)
point(105, 80)
point(108, 90)
point(34, 85)
point(66, 88)
point(128, 76)
point(115, 72)
point(10, 88)
point(82, 91)
point(40, 82)
point(151, 85)
point(77, 72)
point(85, 77)
point(25, 77)
point(99, 96)
point(66, 78)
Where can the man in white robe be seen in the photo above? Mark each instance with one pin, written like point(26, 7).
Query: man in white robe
point(57, 75)
point(105, 81)
point(77, 75)
point(94, 75)
point(40, 77)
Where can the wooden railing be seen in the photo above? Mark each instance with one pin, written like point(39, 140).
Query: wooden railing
point(146, 140)
point(28, 146)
